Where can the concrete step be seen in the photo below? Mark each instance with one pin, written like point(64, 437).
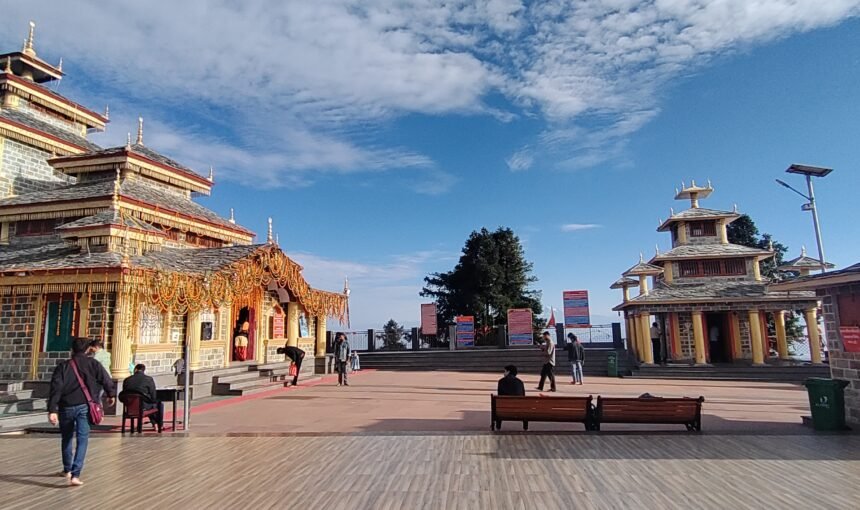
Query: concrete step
point(7, 397)
point(26, 405)
point(252, 389)
point(238, 377)
point(21, 421)
point(11, 386)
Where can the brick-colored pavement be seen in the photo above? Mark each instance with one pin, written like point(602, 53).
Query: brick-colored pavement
point(453, 401)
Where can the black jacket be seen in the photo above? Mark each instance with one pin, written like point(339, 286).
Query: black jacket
point(294, 353)
point(575, 352)
point(67, 392)
point(140, 384)
point(511, 385)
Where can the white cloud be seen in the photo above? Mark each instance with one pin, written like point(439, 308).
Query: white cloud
point(576, 227)
point(521, 160)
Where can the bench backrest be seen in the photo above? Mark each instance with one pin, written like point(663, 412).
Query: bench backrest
point(541, 408)
point(648, 410)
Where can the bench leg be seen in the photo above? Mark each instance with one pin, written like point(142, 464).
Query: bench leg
point(122, 431)
point(525, 425)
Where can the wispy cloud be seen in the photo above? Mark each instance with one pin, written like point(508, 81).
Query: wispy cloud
point(521, 160)
point(576, 227)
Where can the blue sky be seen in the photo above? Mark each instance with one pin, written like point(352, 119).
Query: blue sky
point(379, 134)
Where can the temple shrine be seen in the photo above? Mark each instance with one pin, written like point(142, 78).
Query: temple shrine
point(707, 296)
point(108, 243)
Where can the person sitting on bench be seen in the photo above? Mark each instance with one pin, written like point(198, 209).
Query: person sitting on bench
point(141, 384)
point(510, 385)
point(295, 355)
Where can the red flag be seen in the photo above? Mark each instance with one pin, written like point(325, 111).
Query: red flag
point(551, 322)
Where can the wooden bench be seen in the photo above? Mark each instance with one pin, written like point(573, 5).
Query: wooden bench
point(682, 411)
point(526, 409)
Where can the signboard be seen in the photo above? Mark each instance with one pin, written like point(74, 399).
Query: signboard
point(465, 331)
point(278, 325)
point(850, 338)
point(576, 309)
point(428, 319)
point(520, 326)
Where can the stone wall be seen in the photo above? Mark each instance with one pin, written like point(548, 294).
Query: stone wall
point(41, 114)
point(17, 321)
point(47, 362)
point(211, 357)
point(843, 365)
point(24, 169)
point(158, 362)
point(746, 338)
point(101, 313)
point(685, 326)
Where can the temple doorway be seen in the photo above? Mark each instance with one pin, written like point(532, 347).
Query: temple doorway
point(243, 315)
point(718, 337)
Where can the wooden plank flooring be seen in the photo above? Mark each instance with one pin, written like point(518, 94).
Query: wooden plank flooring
point(446, 471)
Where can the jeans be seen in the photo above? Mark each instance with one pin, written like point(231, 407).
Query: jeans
point(158, 418)
point(74, 421)
point(342, 372)
point(545, 372)
point(576, 371)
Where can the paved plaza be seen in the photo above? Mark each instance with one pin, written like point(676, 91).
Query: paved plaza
point(421, 440)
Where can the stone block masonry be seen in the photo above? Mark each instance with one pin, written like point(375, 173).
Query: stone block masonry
point(25, 169)
point(843, 365)
point(158, 362)
point(101, 313)
point(17, 321)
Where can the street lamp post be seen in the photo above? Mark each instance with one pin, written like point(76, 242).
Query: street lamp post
point(810, 172)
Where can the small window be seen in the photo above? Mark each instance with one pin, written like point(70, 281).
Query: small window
point(151, 325)
point(703, 229)
point(719, 267)
point(689, 268)
point(35, 227)
point(736, 267)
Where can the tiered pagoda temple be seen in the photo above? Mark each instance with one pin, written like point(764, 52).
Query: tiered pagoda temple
point(708, 296)
point(108, 243)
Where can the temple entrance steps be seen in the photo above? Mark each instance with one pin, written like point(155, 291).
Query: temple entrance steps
point(251, 378)
point(793, 374)
point(22, 403)
point(527, 360)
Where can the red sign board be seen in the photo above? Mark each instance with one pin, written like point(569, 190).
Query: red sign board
point(576, 313)
point(850, 338)
point(428, 319)
point(520, 326)
point(278, 325)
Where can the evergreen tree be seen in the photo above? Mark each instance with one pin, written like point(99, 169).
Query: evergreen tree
point(393, 335)
point(491, 276)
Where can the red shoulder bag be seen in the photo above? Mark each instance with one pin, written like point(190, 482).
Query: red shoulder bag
point(96, 412)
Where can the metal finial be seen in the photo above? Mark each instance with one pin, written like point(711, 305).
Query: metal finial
point(803, 250)
point(671, 211)
point(709, 184)
point(346, 285)
point(657, 249)
point(128, 140)
point(735, 208)
point(107, 112)
point(28, 42)
point(139, 131)
point(232, 217)
point(641, 258)
point(211, 177)
point(692, 183)
point(278, 239)
point(770, 245)
point(60, 65)
point(8, 69)
point(676, 191)
point(269, 237)
point(683, 186)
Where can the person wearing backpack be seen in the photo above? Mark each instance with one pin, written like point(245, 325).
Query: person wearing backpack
point(71, 405)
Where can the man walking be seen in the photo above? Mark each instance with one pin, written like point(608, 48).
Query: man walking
point(548, 351)
point(73, 384)
point(341, 358)
point(576, 357)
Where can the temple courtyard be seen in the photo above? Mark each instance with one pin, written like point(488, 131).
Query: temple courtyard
point(415, 440)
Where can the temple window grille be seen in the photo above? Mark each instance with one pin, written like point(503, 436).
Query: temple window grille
point(703, 229)
point(151, 325)
point(716, 267)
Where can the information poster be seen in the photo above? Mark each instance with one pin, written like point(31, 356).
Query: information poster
point(576, 313)
point(428, 319)
point(278, 325)
point(850, 338)
point(520, 326)
point(465, 331)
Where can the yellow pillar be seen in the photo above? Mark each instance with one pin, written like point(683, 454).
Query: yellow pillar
point(319, 350)
point(811, 316)
point(645, 329)
point(781, 341)
point(631, 335)
point(83, 316)
point(722, 232)
point(756, 269)
point(36, 340)
point(668, 276)
point(293, 324)
point(736, 335)
point(755, 337)
point(643, 285)
point(676, 336)
point(682, 232)
point(120, 343)
point(699, 338)
point(193, 339)
point(626, 293)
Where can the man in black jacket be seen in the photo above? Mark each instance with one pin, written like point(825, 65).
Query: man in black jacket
point(510, 385)
point(68, 406)
point(295, 355)
point(141, 384)
point(576, 357)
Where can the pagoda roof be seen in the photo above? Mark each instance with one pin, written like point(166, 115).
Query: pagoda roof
point(109, 217)
point(624, 282)
point(803, 262)
point(133, 189)
point(53, 255)
point(189, 178)
point(643, 269)
point(29, 123)
point(714, 292)
point(194, 260)
point(42, 71)
point(848, 275)
point(46, 97)
point(705, 251)
point(697, 213)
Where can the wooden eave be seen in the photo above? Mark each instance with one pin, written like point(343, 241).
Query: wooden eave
point(194, 222)
point(58, 103)
point(109, 230)
point(31, 136)
point(36, 62)
point(659, 259)
point(666, 225)
point(55, 209)
point(698, 301)
point(85, 163)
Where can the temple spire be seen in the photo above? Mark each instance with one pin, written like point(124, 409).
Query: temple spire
point(8, 68)
point(28, 42)
point(346, 285)
point(107, 112)
point(211, 177)
point(139, 131)
point(269, 237)
point(232, 217)
point(128, 140)
point(60, 65)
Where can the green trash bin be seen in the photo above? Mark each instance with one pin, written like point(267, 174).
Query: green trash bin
point(827, 403)
point(612, 364)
